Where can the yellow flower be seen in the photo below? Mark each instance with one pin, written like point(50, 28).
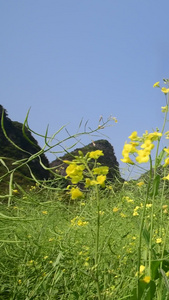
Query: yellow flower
point(81, 223)
point(148, 205)
point(129, 148)
point(44, 212)
point(135, 213)
point(166, 177)
point(77, 221)
point(158, 240)
point(157, 84)
point(19, 281)
point(142, 268)
point(147, 145)
point(127, 160)
point(115, 209)
point(166, 150)
point(88, 182)
point(101, 179)
point(75, 193)
point(15, 191)
point(103, 170)
point(164, 206)
point(123, 215)
point(164, 108)
point(133, 136)
point(166, 162)
point(165, 90)
point(143, 156)
point(75, 172)
point(96, 154)
point(114, 119)
point(140, 183)
point(154, 135)
point(167, 134)
point(146, 279)
point(101, 213)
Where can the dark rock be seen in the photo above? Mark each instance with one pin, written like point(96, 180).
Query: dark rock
point(29, 146)
point(109, 159)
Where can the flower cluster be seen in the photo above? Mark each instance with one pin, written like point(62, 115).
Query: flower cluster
point(77, 221)
point(77, 167)
point(74, 171)
point(140, 146)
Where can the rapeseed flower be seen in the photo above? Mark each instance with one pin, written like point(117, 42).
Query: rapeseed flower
point(143, 156)
point(147, 145)
point(158, 240)
point(123, 215)
point(141, 270)
point(165, 90)
point(75, 172)
point(96, 154)
point(77, 221)
point(75, 193)
point(164, 109)
point(101, 179)
point(135, 213)
point(103, 170)
point(165, 206)
point(134, 136)
point(146, 279)
point(153, 136)
point(166, 162)
point(15, 191)
point(167, 134)
point(166, 150)
point(157, 84)
point(127, 160)
point(140, 183)
point(166, 177)
point(115, 119)
point(129, 148)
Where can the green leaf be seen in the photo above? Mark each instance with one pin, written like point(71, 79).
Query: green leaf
point(156, 183)
point(154, 269)
point(146, 235)
point(159, 158)
point(166, 281)
point(145, 291)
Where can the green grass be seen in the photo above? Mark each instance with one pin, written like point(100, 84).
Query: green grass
point(44, 257)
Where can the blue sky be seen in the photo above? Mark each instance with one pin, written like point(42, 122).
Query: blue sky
point(69, 60)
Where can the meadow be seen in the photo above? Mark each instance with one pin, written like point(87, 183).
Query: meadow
point(103, 241)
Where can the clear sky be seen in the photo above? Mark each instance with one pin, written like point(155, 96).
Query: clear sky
point(74, 59)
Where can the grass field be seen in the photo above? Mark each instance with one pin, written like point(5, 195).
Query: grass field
point(48, 245)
